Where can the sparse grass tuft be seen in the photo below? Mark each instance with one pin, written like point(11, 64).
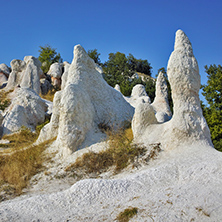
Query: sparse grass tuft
point(50, 95)
point(4, 101)
point(24, 137)
point(120, 153)
point(127, 214)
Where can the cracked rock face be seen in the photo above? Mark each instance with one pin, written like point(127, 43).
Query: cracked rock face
point(85, 102)
point(187, 124)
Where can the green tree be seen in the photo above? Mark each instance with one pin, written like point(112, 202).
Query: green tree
point(94, 55)
point(116, 69)
point(213, 111)
point(139, 65)
point(48, 56)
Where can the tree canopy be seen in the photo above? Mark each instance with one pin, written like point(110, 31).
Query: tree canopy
point(48, 56)
point(213, 111)
point(94, 55)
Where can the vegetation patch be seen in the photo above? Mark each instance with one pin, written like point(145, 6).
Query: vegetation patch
point(23, 160)
point(127, 214)
point(120, 152)
point(17, 168)
point(4, 101)
point(50, 95)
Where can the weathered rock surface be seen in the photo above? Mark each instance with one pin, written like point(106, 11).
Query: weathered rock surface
point(65, 74)
point(85, 102)
point(25, 74)
point(4, 69)
point(55, 72)
point(117, 87)
point(160, 103)
point(187, 125)
point(31, 74)
point(27, 109)
point(138, 96)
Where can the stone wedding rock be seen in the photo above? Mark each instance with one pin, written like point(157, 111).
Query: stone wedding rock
point(160, 103)
point(65, 74)
point(4, 74)
point(55, 71)
point(138, 96)
point(85, 103)
point(187, 125)
point(26, 109)
point(25, 74)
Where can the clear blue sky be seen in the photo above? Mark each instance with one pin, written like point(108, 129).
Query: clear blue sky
point(145, 28)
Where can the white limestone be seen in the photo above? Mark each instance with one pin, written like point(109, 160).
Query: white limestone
point(160, 103)
point(138, 96)
point(25, 74)
point(65, 74)
point(85, 102)
point(187, 125)
point(27, 109)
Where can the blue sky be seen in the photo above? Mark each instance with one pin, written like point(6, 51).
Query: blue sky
point(144, 28)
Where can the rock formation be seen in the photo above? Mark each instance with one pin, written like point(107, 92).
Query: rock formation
point(117, 87)
point(65, 74)
point(187, 125)
point(27, 109)
point(55, 71)
point(86, 102)
point(25, 74)
point(138, 96)
point(4, 73)
point(160, 103)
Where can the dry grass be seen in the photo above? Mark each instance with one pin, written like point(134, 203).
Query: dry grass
point(4, 101)
point(127, 214)
point(119, 154)
point(21, 139)
point(50, 95)
point(23, 160)
point(17, 169)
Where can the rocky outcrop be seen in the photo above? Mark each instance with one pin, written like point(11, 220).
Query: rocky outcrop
point(160, 103)
point(27, 109)
point(138, 96)
point(55, 72)
point(117, 87)
point(4, 74)
point(86, 102)
point(187, 125)
point(65, 74)
point(25, 74)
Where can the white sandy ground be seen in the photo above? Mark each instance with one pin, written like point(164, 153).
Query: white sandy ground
point(180, 185)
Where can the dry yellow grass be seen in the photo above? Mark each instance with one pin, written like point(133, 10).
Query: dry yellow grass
point(49, 96)
point(17, 169)
point(120, 153)
point(23, 160)
point(4, 101)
